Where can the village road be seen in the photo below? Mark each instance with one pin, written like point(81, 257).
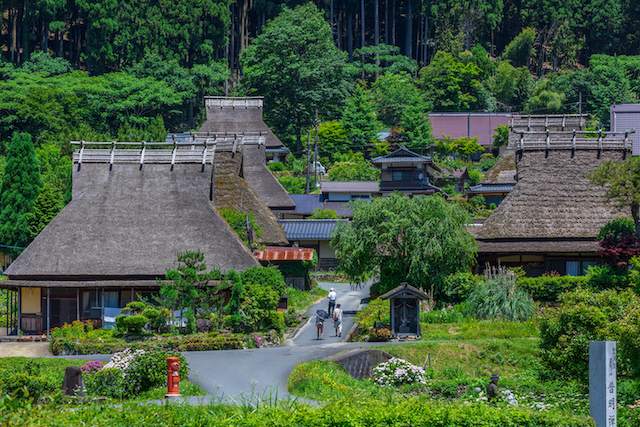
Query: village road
point(247, 376)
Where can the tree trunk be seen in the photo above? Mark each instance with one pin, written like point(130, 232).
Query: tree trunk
point(408, 40)
point(339, 29)
point(393, 22)
point(362, 23)
point(386, 21)
point(13, 19)
point(332, 20)
point(376, 22)
point(60, 44)
point(45, 36)
point(350, 34)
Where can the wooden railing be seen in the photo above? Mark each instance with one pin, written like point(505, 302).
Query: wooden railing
point(594, 140)
point(201, 149)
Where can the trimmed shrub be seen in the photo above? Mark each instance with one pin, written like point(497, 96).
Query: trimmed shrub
point(149, 370)
point(193, 342)
point(548, 288)
point(131, 325)
point(107, 382)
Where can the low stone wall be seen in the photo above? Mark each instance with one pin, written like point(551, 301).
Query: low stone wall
point(360, 362)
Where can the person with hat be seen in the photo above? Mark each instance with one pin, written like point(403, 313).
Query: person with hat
point(332, 300)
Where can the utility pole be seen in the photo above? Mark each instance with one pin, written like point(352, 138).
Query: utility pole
point(315, 153)
point(306, 189)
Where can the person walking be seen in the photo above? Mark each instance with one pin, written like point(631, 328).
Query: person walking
point(332, 300)
point(337, 320)
point(319, 323)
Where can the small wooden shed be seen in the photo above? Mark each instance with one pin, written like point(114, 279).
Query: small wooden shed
point(404, 302)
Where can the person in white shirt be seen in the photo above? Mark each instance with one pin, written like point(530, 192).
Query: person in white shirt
point(337, 320)
point(332, 300)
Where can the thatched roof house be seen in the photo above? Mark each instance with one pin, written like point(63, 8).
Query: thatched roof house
point(550, 220)
point(243, 116)
point(134, 208)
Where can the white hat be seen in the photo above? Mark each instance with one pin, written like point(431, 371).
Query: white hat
point(333, 289)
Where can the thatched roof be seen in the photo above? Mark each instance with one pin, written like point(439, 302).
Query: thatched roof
point(504, 171)
point(233, 191)
point(235, 115)
point(262, 181)
point(553, 199)
point(132, 223)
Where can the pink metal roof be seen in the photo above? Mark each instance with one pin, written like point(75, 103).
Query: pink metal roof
point(457, 125)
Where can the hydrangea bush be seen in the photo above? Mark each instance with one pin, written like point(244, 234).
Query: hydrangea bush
point(91, 366)
point(397, 372)
point(123, 359)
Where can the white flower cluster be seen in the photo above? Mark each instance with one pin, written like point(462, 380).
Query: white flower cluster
point(509, 397)
point(398, 372)
point(123, 359)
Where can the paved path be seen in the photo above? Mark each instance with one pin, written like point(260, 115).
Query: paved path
point(246, 376)
point(350, 302)
point(24, 349)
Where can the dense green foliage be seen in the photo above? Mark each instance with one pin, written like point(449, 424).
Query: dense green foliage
point(20, 187)
point(369, 412)
point(417, 240)
point(585, 316)
point(238, 220)
point(353, 167)
point(622, 180)
point(296, 66)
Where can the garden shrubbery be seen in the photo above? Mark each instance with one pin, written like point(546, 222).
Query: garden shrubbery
point(130, 373)
point(585, 315)
point(81, 338)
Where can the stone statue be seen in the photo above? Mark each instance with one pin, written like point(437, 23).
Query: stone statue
point(72, 385)
point(492, 388)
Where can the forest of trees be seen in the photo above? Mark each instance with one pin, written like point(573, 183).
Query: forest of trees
point(135, 70)
point(107, 35)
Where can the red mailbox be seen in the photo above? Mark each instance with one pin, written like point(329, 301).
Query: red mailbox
point(173, 377)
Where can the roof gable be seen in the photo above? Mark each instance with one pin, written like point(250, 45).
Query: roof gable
point(402, 154)
point(132, 222)
point(405, 291)
point(554, 198)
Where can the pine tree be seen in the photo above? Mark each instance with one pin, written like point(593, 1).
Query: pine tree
point(359, 119)
point(49, 202)
point(20, 188)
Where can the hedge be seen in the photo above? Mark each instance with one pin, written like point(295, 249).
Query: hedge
point(406, 412)
point(549, 288)
point(194, 342)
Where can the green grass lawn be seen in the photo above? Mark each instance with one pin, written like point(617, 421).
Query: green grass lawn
point(458, 358)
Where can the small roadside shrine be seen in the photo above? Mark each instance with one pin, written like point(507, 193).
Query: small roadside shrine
point(404, 301)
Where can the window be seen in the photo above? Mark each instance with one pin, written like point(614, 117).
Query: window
point(111, 299)
point(572, 268)
point(397, 175)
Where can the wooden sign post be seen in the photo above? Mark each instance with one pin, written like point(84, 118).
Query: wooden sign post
point(602, 383)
